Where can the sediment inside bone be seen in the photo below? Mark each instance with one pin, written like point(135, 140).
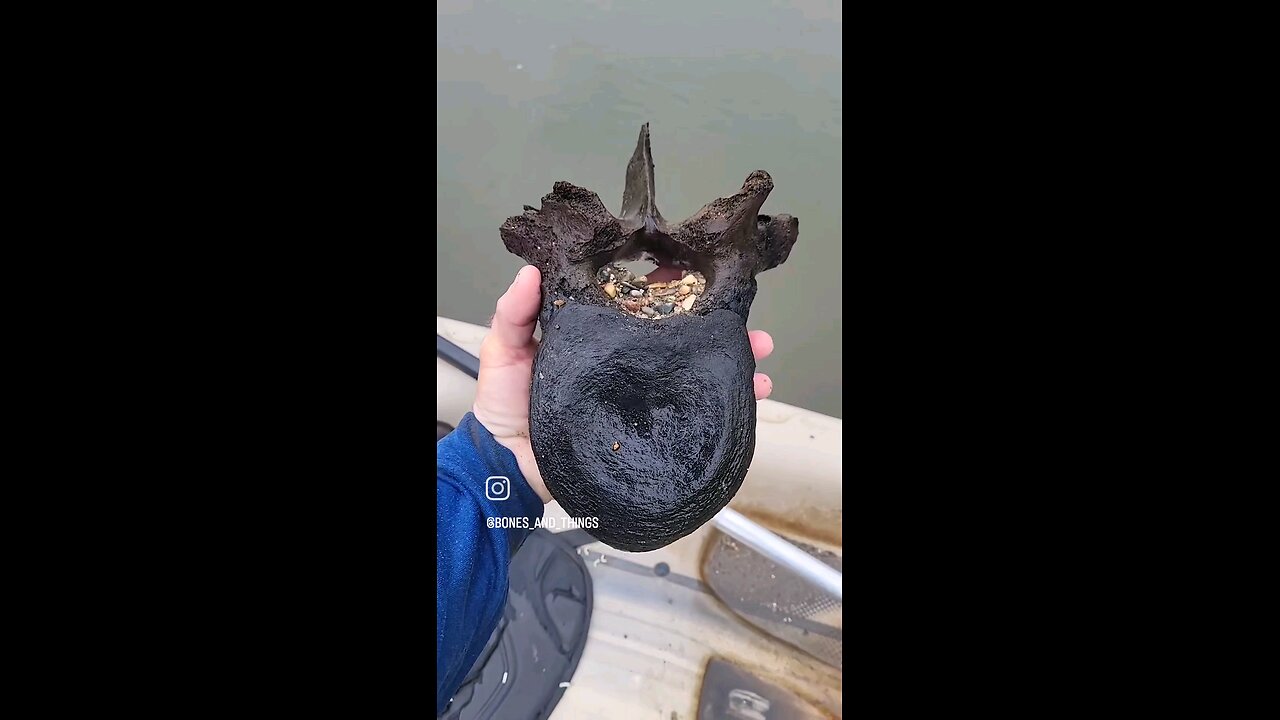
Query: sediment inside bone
point(638, 297)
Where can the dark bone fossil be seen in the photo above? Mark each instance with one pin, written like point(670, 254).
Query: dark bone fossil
point(646, 424)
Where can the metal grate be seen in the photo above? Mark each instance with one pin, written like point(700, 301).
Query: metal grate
point(776, 600)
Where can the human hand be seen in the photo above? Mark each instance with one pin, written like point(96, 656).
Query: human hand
point(506, 368)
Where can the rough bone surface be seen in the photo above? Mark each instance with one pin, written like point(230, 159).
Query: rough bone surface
point(674, 395)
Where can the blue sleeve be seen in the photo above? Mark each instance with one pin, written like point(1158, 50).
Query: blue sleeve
point(471, 558)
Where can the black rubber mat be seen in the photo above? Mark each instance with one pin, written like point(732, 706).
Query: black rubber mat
point(538, 641)
point(731, 693)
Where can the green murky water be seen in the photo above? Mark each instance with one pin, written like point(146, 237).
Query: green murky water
point(533, 91)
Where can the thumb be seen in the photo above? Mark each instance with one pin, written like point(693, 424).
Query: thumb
point(517, 311)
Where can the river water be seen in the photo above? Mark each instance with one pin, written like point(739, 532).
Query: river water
point(529, 92)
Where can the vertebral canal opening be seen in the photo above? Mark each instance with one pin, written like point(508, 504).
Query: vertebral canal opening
point(664, 293)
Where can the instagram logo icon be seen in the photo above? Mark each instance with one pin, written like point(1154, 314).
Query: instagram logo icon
point(497, 487)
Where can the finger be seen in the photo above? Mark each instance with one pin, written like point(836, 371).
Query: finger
point(764, 386)
point(761, 344)
point(517, 311)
